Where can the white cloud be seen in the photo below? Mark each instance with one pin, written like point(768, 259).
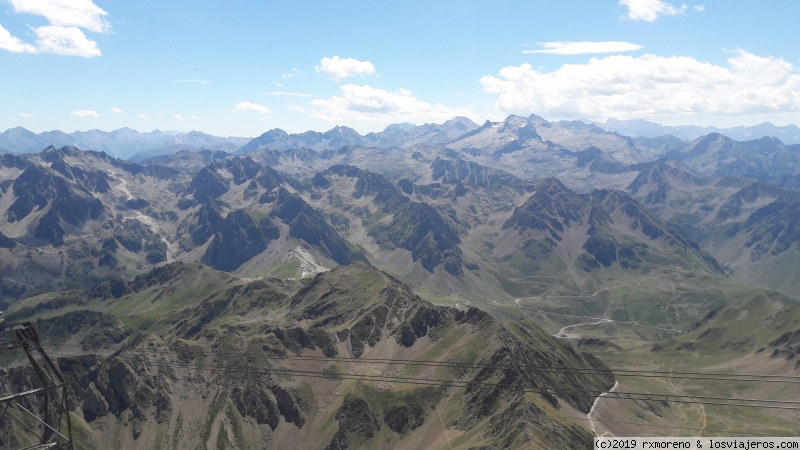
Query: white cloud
point(142, 116)
point(25, 115)
point(116, 110)
point(649, 86)
point(700, 8)
point(63, 35)
point(178, 117)
point(287, 94)
point(193, 117)
point(251, 107)
point(649, 10)
point(293, 73)
point(580, 48)
point(84, 113)
point(195, 81)
point(68, 41)
point(369, 104)
point(339, 68)
point(66, 13)
point(12, 44)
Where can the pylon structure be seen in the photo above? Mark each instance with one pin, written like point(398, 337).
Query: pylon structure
point(41, 412)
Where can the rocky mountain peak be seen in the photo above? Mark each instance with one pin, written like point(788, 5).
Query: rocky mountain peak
point(514, 121)
point(552, 205)
point(460, 123)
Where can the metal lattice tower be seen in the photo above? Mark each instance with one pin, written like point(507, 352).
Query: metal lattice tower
point(47, 426)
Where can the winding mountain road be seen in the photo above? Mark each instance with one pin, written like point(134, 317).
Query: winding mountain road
point(594, 406)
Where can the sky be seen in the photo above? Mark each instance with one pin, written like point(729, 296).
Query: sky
point(241, 68)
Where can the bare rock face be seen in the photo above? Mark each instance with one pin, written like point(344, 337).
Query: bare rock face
point(613, 230)
point(207, 184)
point(307, 224)
point(118, 385)
point(355, 417)
point(243, 236)
point(469, 173)
point(405, 417)
point(256, 403)
point(415, 226)
point(94, 405)
point(38, 190)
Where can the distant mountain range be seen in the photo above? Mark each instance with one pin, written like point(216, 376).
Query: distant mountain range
point(129, 144)
point(789, 134)
point(123, 143)
point(400, 136)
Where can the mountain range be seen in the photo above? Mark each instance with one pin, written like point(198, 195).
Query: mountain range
point(426, 212)
point(123, 143)
point(497, 239)
point(126, 143)
point(790, 134)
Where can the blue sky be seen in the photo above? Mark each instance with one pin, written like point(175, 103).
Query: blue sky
point(243, 67)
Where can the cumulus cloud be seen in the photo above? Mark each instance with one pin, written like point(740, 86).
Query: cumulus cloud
point(369, 104)
point(12, 44)
point(250, 107)
point(142, 116)
point(66, 13)
point(64, 35)
point(68, 41)
point(649, 10)
point(84, 113)
point(580, 48)
point(339, 68)
point(25, 115)
point(178, 116)
point(700, 8)
point(646, 86)
point(116, 110)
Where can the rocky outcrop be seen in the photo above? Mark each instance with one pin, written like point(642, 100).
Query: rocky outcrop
point(207, 184)
point(416, 227)
point(256, 403)
point(455, 171)
point(244, 234)
point(355, 417)
point(137, 237)
point(37, 189)
point(307, 224)
point(200, 226)
point(420, 229)
point(613, 230)
point(552, 206)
